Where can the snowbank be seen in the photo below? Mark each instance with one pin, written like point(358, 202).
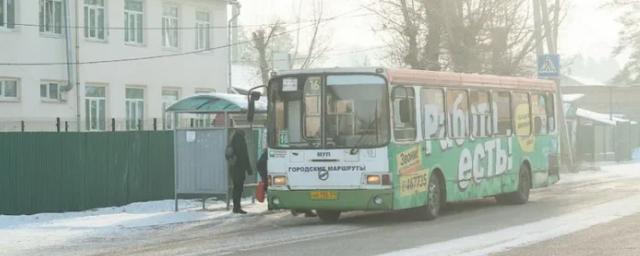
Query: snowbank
point(23, 232)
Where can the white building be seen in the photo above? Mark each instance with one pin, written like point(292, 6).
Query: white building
point(177, 35)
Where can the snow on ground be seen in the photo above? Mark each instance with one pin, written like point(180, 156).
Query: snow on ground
point(596, 172)
point(48, 229)
point(530, 233)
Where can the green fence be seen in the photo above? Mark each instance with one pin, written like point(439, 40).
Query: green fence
point(55, 172)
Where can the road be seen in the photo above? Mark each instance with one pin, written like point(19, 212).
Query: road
point(464, 228)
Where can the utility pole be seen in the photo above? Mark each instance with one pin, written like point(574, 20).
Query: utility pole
point(542, 22)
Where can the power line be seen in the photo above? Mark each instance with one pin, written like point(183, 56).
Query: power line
point(277, 34)
point(195, 27)
point(335, 53)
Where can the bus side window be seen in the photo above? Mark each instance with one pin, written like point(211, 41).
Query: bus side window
point(539, 104)
point(480, 114)
point(433, 114)
point(458, 108)
point(502, 113)
point(551, 112)
point(404, 131)
point(522, 113)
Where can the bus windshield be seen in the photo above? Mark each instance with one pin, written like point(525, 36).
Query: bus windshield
point(353, 109)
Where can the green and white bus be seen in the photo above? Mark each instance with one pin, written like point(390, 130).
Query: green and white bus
point(384, 139)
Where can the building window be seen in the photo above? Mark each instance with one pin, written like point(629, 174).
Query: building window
point(8, 89)
point(203, 26)
point(7, 13)
point(133, 21)
point(51, 16)
point(135, 108)
point(51, 91)
point(94, 19)
point(169, 96)
point(95, 107)
point(170, 27)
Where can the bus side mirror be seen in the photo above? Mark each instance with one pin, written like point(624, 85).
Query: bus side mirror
point(251, 109)
point(405, 111)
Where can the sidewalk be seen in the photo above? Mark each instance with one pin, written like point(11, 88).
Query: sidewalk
point(23, 232)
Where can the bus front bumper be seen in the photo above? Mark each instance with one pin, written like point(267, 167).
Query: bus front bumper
point(345, 200)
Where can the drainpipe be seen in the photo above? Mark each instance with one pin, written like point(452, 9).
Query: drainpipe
point(69, 53)
point(77, 64)
point(233, 23)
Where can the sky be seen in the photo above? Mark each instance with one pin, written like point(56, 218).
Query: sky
point(588, 29)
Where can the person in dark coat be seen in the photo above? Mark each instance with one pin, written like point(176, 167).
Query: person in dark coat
point(238, 169)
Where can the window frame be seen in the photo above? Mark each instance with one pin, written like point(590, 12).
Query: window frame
point(546, 114)
point(165, 30)
point(203, 25)
point(87, 28)
point(5, 18)
point(47, 97)
point(393, 113)
point(97, 99)
point(552, 96)
point(3, 85)
point(139, 108)
point(449, 133)
point(489, 93)
point(496, 122)
point(167, 117)
point(138, 29)
point(303, 108)
point(513, 110)
point(50, 30)
point(444, 109)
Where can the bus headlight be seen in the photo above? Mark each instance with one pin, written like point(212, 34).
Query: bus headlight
point(279, 180)
point(373, 180)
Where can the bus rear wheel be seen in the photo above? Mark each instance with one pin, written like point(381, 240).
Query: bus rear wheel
point(328, 216)
point(435, 201)
point(520, 196)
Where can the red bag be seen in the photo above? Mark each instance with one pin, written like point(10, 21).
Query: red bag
point(260, 192)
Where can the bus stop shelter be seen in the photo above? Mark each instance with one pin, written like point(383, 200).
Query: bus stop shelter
point(201, 170)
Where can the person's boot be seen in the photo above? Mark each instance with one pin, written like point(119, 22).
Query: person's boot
point(239, 211)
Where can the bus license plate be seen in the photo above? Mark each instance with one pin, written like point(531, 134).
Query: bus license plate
point(324, 195)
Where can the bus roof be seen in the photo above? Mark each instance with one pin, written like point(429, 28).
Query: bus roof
point(423, 77)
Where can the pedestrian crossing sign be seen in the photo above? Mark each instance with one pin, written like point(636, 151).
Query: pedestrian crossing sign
point(548, 65)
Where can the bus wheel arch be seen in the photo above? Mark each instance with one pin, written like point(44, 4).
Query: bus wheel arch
point(521, 195)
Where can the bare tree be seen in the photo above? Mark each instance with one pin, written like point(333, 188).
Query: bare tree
point(279, 38)
point(629, 41)
point(475, 36)
point(262, 39)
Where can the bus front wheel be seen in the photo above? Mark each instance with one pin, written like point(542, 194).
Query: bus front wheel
point(328, 216)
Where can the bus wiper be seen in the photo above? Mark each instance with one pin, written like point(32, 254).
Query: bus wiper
point(356, 148)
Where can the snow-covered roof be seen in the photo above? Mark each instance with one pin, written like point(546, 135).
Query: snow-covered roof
point(572, 97)
point(216, 103)
point(600, 117)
